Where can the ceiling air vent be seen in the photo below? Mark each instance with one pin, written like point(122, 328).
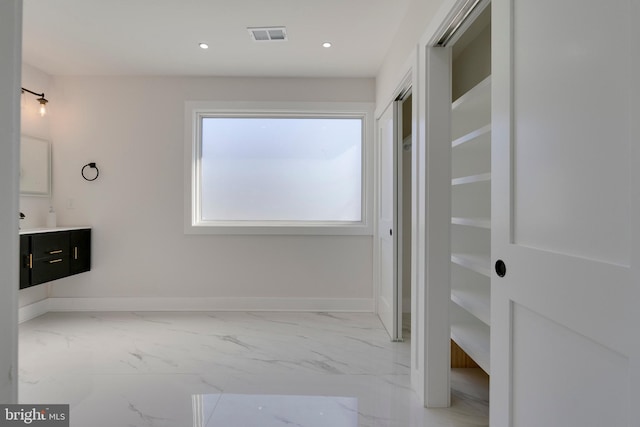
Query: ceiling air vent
point(268, 34)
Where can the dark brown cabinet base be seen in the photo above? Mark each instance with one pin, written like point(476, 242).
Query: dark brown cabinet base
point(53, 255)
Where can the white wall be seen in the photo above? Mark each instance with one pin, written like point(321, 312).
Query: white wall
point(419, 15)
point(32, 124)
point(10, 52)
point(473, 63)
point(133, 128)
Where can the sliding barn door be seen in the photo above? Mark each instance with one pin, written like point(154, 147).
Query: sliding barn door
point(565, 346)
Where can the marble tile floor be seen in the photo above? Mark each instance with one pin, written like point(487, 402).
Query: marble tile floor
point(228, 369)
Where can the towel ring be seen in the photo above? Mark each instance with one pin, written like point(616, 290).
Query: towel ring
point(91, 165)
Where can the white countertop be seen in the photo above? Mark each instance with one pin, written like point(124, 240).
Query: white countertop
point(50, 230)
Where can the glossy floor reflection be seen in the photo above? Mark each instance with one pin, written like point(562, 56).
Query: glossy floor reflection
point(144, 369)
point(274, 411)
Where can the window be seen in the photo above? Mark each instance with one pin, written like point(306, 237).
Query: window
point(269, 170)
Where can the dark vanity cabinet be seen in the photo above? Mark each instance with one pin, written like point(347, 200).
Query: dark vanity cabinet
point(25, 261)
point(52, 255)
point(80, 244)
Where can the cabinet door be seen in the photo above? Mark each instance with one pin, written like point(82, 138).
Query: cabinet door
point(50, 257)
point(80, 244)
point(25, 269)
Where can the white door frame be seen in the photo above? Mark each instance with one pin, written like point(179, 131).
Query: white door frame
point(386, 236)
point(403, 90)
point(403, 93)
point(401, 226)
point(431, 223)
point(11, 52)
point(429, 75)
point(433, 216)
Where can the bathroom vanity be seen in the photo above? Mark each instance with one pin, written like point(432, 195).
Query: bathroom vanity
point(48, 254)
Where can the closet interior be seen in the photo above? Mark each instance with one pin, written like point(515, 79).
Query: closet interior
point(471, 196)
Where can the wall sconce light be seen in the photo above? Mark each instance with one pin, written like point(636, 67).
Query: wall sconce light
point(41, 100)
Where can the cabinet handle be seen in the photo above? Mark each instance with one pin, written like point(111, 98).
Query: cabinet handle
point(30, 260)
point(53, 261)
point(58, 251)
point(75, 252)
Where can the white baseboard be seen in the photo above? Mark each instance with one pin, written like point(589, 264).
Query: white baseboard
point(34, 310)
point(196, 304)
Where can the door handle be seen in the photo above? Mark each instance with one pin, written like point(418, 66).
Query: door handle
point(390, 232)
point(501, 268)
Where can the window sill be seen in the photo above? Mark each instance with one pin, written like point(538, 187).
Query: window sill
point(262, 228)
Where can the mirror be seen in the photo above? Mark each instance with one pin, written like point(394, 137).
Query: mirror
point(35, 166)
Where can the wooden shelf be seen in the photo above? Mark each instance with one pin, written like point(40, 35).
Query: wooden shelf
point(472, 222)
point(478, 263)
point(471, 335)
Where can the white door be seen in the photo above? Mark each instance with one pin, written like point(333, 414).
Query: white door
point(565, 340)
point(388, 290)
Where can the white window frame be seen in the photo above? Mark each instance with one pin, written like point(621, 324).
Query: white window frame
point(196, 110)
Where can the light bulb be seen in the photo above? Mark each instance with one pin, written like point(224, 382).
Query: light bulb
point(43, 106)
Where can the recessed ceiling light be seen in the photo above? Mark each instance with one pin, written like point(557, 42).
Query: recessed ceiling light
point(203, 46)
point(326, 44)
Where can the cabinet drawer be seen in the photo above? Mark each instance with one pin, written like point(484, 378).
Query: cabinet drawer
point(50, 257)
point(47, 269)
point(50, 245)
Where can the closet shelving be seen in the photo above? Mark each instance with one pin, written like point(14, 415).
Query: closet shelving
point(471, 222)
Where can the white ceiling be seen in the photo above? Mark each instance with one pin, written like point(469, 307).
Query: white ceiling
point(160, 37)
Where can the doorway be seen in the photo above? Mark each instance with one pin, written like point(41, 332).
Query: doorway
point(405, 216)
point(394, 135)
point(471, 206)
